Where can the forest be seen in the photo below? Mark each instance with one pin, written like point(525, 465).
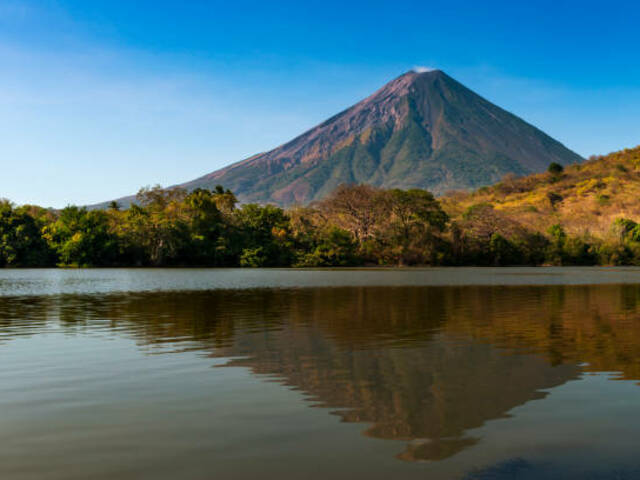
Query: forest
point(356, 225)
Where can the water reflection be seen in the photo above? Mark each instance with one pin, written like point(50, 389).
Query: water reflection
point(423, 365)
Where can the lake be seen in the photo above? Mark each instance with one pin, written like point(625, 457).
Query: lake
point(447, 373)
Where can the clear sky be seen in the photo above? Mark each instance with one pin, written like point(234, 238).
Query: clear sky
point(101, 97)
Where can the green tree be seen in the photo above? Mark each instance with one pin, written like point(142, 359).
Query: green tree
point(334, 248)
point(414, 220)
point(21, 243)
point(504, 252)
point(555, 168)
point(225, 199)
point(206, 229)
point(264, 235)
point(555, 249)
point(158, 228)
point(82, 238)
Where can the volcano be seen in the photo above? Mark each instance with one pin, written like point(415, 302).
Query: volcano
point(422, 130)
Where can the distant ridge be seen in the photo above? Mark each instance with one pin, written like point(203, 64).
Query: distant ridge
point(423, 129)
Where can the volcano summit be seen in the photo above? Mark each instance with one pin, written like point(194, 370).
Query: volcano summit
point(422, 130)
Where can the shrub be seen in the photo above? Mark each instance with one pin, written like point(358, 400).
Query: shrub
point(253, 257)
point(554, 198)
point(504, 252)
point(336, 248)
point(555, 168)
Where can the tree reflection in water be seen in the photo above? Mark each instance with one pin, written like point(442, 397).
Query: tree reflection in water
point(424, 365)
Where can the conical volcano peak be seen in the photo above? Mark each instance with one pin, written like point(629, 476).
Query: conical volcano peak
point(402, 85)
point(416, 73)
point(422, 69)
point(418, 78)
point(427, 77)
point(423, 129)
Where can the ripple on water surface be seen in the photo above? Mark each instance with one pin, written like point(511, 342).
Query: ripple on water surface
point(105, 374)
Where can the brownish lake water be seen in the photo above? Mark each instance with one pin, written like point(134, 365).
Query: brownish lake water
point(517, 373)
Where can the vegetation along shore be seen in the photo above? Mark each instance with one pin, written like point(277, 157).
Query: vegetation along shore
point(584, 214)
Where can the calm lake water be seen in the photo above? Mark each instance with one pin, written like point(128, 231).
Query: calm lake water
point(513, 373)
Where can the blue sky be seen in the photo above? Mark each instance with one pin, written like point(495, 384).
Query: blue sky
point(101, 97)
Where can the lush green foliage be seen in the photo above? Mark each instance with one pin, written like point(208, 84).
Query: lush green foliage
point(21, 242)
point(584, 212)
point(354, 225)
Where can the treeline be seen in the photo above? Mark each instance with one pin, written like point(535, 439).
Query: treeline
point(355, 225)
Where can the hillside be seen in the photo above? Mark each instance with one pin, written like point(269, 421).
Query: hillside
point(585, 198)
point(583, 214)
point(421, 130)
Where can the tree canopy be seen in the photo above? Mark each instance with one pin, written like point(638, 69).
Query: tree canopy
point(354, 225)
